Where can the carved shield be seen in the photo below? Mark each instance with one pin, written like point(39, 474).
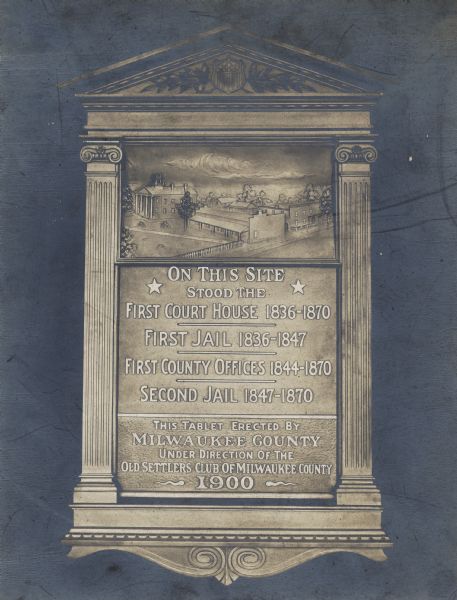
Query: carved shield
point(228, 75)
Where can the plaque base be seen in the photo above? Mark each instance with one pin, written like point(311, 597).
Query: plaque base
point(232, 542)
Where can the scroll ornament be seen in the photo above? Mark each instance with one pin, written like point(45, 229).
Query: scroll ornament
point(357, 154)
point(101, 153)
point(227, 564)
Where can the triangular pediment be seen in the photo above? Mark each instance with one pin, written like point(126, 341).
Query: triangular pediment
point(226, 63)
point(226, 70)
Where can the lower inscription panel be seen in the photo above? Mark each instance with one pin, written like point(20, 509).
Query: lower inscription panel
point(227, 381)
point(227, 455)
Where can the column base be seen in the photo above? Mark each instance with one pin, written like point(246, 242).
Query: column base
point(358, 491)
point(95, 489)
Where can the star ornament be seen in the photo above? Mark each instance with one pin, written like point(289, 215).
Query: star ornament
point(298, 287)
point(154, 286)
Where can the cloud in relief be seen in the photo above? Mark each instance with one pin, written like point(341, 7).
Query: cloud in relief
point(226, 167)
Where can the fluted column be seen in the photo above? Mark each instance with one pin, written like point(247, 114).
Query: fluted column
point(102, 210)
point(354, 206)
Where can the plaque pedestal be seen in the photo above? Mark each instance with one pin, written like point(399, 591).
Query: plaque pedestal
point(232, 541)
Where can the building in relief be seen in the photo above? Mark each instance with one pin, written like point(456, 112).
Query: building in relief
point(241, 225)
point(159, 200)
point(303, 215)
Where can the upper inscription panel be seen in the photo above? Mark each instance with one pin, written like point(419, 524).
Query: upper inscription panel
point(213, 200)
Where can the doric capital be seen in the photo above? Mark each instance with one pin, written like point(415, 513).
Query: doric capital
point(356, 154)
point(101, 153)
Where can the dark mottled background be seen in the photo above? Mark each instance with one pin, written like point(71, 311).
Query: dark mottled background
point(414, 285)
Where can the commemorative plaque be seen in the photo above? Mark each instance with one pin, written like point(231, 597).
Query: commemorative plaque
point(227, 309)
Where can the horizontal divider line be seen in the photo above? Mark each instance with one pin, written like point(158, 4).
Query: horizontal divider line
point(227, 416)
point(227, 380)
point(227, 324)
point(252, 495)
point(227, 352)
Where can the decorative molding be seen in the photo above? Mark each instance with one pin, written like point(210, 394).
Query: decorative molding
point(278, 483)
point(179, 482)
point(73, 537)
point(356, 154)
point(101, 153)
point(222, 103)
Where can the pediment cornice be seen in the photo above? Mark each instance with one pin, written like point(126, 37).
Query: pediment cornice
point(225, 64)
point(227, 70)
